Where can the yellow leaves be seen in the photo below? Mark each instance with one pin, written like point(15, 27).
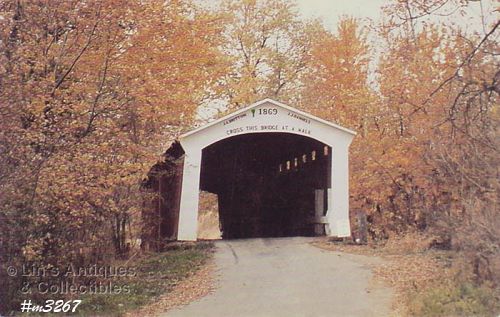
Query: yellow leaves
point(32, 251)
point(174, 52)
point(266, 45)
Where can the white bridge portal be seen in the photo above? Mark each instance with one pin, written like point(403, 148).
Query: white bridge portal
point(276, 171)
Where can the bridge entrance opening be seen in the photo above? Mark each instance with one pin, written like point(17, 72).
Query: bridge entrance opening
point(268, 184)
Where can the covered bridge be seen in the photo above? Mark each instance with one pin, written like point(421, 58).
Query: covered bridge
point(276, 171)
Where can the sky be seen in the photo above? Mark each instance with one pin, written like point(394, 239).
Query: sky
point(330, 11)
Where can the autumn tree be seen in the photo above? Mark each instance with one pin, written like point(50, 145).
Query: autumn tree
point(56, 84)
point(447, 105)
point(336, 80)
point(409, 71)
point(89, 94)
point(267, 47)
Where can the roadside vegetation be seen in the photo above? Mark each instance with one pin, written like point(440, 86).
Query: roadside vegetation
point(428, 281)
point(152, 288)
point(157, 275)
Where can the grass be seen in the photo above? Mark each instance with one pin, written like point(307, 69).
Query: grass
point(455, 299)
point(156, 274)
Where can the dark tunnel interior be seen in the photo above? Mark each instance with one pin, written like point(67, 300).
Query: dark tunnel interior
point(266, 182)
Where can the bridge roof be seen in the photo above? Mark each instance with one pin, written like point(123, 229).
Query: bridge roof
point(273, 103)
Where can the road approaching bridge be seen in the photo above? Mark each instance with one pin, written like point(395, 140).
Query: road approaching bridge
point(289, 277)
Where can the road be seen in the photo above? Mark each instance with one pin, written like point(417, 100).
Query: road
point(289, 277)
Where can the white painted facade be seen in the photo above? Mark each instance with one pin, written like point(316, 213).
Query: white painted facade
point(264, 117)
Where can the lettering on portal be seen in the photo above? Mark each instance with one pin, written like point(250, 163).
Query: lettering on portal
point(259, 118)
